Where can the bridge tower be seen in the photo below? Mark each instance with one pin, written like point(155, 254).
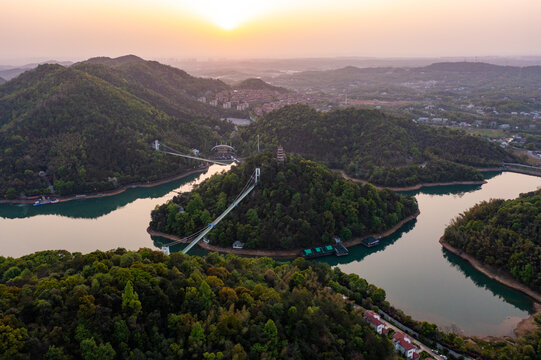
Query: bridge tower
point(257, 175)
point(156, 145)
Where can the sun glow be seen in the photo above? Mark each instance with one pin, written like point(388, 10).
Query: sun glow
point(229, 14)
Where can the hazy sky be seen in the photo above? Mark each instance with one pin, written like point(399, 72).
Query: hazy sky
point(78, 29)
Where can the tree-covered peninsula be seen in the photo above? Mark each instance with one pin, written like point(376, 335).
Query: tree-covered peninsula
point(146, 305)
point(371, 145)
point(503, 234)
point(298, 203)
point(89, 127)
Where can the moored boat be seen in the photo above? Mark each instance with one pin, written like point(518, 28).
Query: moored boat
point(45, 202)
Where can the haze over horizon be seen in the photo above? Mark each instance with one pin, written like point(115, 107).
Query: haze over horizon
point(62, 29)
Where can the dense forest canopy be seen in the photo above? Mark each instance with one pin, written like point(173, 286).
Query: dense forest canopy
point(146, 305)
point(368, 144)
point(89, 127)
point(505, 234)
point(298, 203)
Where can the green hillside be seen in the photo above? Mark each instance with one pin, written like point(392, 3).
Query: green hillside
point(258, 84)
point(368, 144)
point(504, 234)
point(297, 204)
point(2, 81)
point(87, 134)
point(165, 87)
point(145, 305)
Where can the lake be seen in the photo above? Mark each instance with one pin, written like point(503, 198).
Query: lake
point(419, 277)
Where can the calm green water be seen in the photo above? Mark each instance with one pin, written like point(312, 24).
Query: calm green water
point(430, 283)
point(87, 225)
point(418, 276)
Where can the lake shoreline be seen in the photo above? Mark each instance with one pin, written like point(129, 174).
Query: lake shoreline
point(503, 277)
point(114, 192)
point(285, 254)
point(412, 187)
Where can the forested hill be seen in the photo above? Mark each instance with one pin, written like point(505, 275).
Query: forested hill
point(258, 84)
point(297, 204)
point(2, 81)
point(504, 234)
point(368, 144)
point(146, 305)
point(165, 87)
point(86, 133)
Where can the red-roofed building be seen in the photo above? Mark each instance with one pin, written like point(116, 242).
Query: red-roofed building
point(375, 320)
point(402, 343)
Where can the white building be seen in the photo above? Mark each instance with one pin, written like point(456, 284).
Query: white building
point(402, 343)
point(375, 320)
point(238, 245)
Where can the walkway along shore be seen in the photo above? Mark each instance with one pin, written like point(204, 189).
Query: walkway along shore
point(504, 278)
point(288, 254)
point(412, 187)
point(115, 191)
point(422, 185)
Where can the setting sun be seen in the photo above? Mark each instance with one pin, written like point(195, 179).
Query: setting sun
point(230, 14)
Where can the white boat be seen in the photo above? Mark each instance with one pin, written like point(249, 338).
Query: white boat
point(45, 202)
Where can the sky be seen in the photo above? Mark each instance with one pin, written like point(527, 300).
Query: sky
point(203, 29)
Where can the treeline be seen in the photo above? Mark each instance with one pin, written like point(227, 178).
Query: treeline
point(504, 234)
point(146, 305)
point(89, 128)
point(298, 203)
point(368, 144)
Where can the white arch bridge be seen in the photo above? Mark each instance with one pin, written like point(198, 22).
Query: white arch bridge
point(170, 151)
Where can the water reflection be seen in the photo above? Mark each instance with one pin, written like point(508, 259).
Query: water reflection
point(91, 208)
point(458, 190)
point(358, 253)
point(417, 275)
point(514, 297)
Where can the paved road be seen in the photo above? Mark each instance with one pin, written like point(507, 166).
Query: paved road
point(421, 345)
point(396, 329)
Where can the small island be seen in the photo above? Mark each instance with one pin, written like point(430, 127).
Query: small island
point(298, 204)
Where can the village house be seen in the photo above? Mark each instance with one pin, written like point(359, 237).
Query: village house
point(238, 245)
point(375, 320)
point(402, 343)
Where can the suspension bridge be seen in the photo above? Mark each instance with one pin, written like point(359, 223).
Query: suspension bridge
point(170, 151)
point(194, 238)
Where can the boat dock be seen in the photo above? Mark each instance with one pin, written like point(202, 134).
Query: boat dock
point(338, 250)
point(370, 242)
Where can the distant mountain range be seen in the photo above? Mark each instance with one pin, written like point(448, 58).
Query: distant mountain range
point(453, 73)
point(89, 126)
point(237, 70)
point(8, 72)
